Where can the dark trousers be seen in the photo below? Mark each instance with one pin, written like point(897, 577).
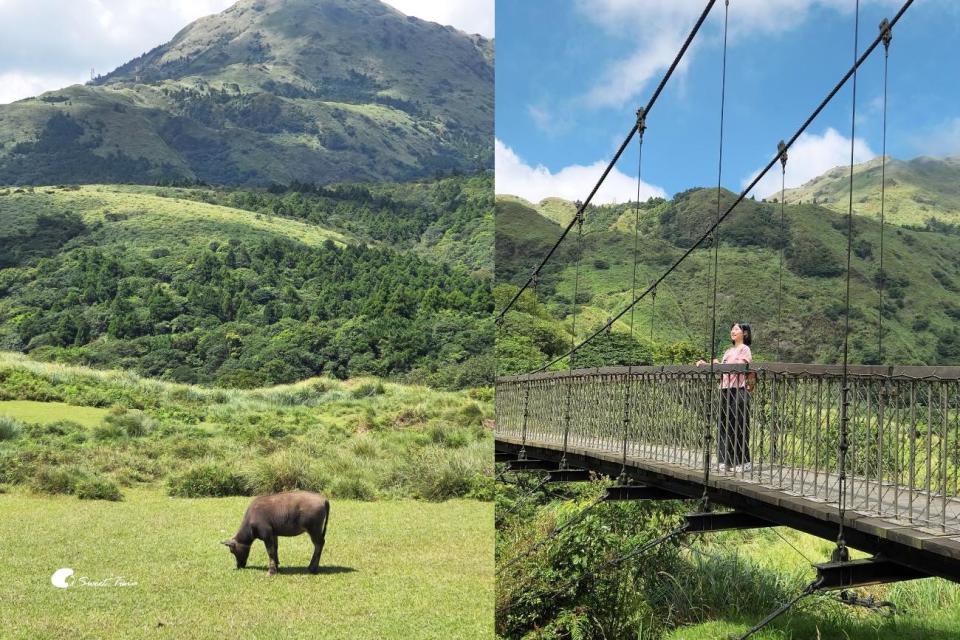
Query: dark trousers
point(733, 439)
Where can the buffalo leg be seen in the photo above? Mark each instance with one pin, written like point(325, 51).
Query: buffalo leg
point(271, 543)
point(318, 542)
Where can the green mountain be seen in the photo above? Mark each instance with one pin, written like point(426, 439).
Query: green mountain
point(169, 286)
point(921, 304)
point(916, 191)
point(269, 91)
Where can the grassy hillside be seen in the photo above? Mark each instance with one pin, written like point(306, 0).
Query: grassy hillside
point(73, 430)
point(448, 219)
point(711, 586)
point(198, 292)
point(921, 306)
point(916, 191)
point(269, 91)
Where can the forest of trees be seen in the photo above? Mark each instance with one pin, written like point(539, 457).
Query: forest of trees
point(246, 314)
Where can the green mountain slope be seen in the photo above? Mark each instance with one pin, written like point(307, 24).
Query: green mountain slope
point(122, 277)
point(316, 91)
point(921, 303)
point(916, 191)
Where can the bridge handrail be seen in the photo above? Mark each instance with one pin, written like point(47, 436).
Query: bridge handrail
point(783, 368)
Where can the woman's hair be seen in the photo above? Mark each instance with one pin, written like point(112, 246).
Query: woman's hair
point(747, 333)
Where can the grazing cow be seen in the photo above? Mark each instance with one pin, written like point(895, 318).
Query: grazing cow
point(282, 514)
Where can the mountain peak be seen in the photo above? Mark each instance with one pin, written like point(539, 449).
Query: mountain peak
point(271, 91)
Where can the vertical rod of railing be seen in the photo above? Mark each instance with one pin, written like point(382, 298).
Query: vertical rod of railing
point(627, 414)
point(913, 444)
point(816, 435)
point(897, 443)
point(944, 413)
point(526, 415)
point(881, 405)
point(929, 439)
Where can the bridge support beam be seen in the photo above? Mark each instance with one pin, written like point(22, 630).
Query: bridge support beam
point(723, 521)
point(568, 475)
point(502, 456)
point(619, 492)
point(530, 464)
point(861, 573)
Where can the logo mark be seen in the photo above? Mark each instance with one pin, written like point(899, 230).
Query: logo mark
point(60, 576)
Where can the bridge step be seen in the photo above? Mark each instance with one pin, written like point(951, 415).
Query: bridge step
point(723, 521)
point(861, 573)
point(639, 492)
point(531, 465)
point(568, 475)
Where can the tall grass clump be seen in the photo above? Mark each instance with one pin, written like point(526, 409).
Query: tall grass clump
point(284, 471)
point(97, 488)
point(208, 480)
point(9, 428)
point(438, 473)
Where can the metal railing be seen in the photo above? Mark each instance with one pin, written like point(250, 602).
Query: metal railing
point(903, 460)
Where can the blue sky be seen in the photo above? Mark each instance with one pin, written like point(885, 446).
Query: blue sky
point(571, 73)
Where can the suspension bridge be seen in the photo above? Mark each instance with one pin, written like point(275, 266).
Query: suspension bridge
point(866, 455)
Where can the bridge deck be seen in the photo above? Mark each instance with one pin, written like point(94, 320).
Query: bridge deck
point(865, 500)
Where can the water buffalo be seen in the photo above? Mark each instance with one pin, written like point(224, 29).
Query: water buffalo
point(282, 514)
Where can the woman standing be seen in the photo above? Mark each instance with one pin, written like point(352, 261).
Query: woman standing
point(733, 442)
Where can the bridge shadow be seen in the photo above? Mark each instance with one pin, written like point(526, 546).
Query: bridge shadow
point(324, 570)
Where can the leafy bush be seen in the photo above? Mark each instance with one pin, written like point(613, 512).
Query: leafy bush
point(98, 489)
point(9, 428)
point(353, 488)
point(208, 479)
point(134, 424)
point(368, 390)
point(56, 480)
point(439, 474)
point(284, 471)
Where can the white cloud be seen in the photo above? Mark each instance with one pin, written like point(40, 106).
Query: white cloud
point(48, 44)
point(941, 140)
point(810, 156)
point(472, 16)
point(15, 86)
point(658, 27)
point(515, 177)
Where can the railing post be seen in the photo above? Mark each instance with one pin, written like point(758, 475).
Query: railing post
point(566, 423)
point(627, 415)
point(526, 413)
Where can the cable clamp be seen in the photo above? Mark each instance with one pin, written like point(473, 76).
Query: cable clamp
point(641, 121)
point(782, 150)
point(886, 33)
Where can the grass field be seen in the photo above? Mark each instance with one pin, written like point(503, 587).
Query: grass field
point(398, 569)
point(50, 412)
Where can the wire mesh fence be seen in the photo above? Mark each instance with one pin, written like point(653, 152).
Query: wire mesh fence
point(777, 425)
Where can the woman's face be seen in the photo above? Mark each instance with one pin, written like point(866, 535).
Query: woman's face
point(736, 333)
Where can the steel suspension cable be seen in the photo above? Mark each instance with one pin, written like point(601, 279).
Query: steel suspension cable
point(616, 156)
point(708, 429)
point(743, 194)
point(628, 387)
point(887, 36)
point(782, 148)
point(578, 220)
point(841, 553)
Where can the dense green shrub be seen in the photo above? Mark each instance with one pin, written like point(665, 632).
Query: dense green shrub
point(9, 428)
point(284, 471)
point(98, 489)
point(208, 479)
point(55, 480)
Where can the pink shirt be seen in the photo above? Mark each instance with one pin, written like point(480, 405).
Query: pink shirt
point(735, 355)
